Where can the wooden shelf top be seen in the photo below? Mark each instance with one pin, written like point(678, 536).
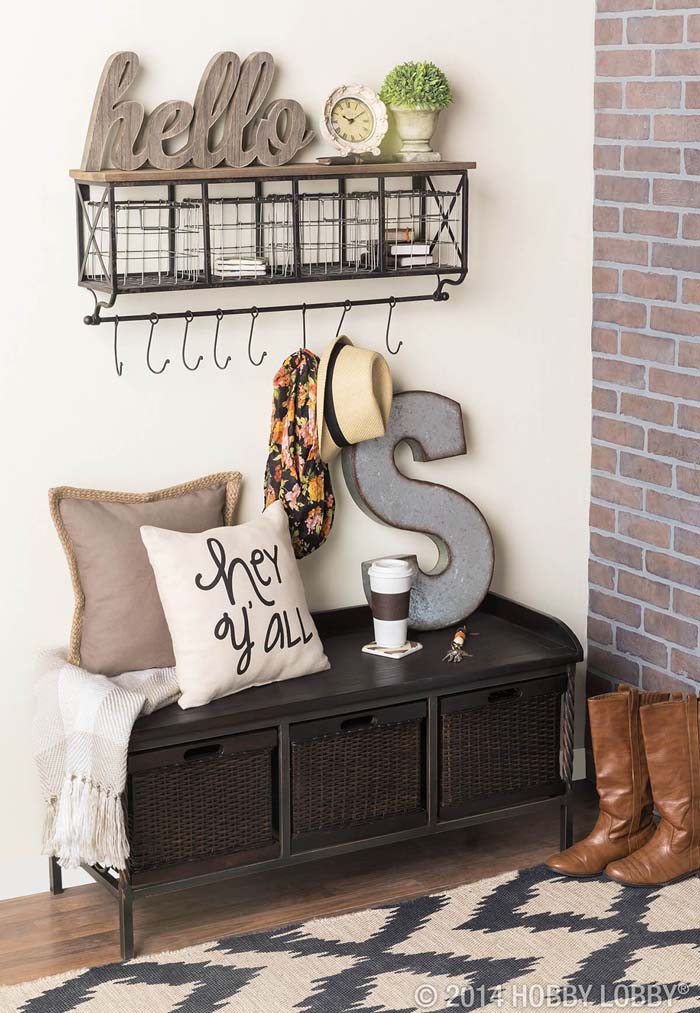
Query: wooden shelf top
point(300, 170)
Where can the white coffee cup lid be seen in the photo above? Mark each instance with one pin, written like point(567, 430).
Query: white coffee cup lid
point(390, 568)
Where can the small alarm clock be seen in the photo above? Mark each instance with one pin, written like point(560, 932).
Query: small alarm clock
point(354, 120)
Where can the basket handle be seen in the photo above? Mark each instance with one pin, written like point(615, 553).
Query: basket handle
point(498, 695)
point(361, 721)
point(211, 749)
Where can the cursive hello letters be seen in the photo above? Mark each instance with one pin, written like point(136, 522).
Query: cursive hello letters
point(115, 123)
point(223, 125)
point(211, 102)
point(167, 120)
point(254, 83)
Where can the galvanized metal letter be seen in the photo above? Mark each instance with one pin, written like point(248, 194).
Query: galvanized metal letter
point(432, 426)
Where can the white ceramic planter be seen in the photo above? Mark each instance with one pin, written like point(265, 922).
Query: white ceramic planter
point(416, 127)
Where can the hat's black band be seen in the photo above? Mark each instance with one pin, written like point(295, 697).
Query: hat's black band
point(329, 415)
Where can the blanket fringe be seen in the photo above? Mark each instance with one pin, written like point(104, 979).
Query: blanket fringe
point(86, 824)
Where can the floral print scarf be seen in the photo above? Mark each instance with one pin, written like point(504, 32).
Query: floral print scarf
point(295, 472)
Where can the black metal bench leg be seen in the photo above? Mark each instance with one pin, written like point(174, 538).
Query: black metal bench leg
point(126, 921)
point(55, 876)
point(566, 824)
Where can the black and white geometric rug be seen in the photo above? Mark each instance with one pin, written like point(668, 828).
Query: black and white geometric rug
point(524, 941)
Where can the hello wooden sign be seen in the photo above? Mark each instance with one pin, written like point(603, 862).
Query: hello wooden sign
point(222, 126)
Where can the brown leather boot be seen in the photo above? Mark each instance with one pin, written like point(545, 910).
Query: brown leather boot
point(672, 740)
point(625, 821)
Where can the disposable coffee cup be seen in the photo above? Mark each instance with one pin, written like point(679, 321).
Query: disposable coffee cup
point(390, 583)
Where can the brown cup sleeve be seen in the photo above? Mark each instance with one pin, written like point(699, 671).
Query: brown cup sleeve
point(389, 607)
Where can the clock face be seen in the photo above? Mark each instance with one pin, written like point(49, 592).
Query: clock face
point(352, 119)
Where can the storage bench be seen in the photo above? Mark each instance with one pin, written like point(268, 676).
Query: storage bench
point(373, 751)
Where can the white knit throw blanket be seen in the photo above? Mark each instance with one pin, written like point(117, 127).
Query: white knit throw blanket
point(81, 734)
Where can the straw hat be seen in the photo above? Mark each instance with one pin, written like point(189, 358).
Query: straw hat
point(354, 396)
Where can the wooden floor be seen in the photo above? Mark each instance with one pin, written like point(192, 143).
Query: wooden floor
point(43, 935)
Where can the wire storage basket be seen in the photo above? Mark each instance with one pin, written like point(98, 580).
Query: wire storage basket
point(339, 234)
point(144, 237)
point(422, 231)
point(156, 243)
point(251, 236)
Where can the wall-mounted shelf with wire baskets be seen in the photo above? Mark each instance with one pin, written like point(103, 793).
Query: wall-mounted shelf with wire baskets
point(160, 231)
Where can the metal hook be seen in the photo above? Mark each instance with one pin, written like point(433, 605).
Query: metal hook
point(219, 318)
point(189, 317)
point(347, 305)
point(303, 324)
point(391, 351)
point(118, 365)
point(154, 318)
point(254, 313)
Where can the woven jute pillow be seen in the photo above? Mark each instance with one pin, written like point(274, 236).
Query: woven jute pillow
point(118, 621)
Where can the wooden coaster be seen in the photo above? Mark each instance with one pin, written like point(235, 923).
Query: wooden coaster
point(410, 647)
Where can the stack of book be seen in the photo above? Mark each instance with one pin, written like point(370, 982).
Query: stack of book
point(411, 254)
point(240, 267)
point(399, 235)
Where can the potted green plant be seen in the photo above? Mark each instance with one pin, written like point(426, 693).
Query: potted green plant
point(415, 93)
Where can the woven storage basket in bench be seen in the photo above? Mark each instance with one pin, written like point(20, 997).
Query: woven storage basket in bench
point(352, 772)
point(190, 804)
point(500, 745)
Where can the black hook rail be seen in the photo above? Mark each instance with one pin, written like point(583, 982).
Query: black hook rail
point(439, 295)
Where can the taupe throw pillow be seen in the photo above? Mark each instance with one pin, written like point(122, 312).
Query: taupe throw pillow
point(118, 622)
point(235, 606)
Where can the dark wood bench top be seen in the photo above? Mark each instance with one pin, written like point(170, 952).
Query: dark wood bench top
point(513, 642)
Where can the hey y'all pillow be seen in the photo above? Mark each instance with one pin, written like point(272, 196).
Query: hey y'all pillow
point(235, 607)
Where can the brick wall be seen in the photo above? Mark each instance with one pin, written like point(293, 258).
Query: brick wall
point(645, 505)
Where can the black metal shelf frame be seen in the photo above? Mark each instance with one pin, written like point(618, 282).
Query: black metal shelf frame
point(242, 232)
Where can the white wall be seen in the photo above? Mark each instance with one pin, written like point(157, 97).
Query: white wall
point(512, 345)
